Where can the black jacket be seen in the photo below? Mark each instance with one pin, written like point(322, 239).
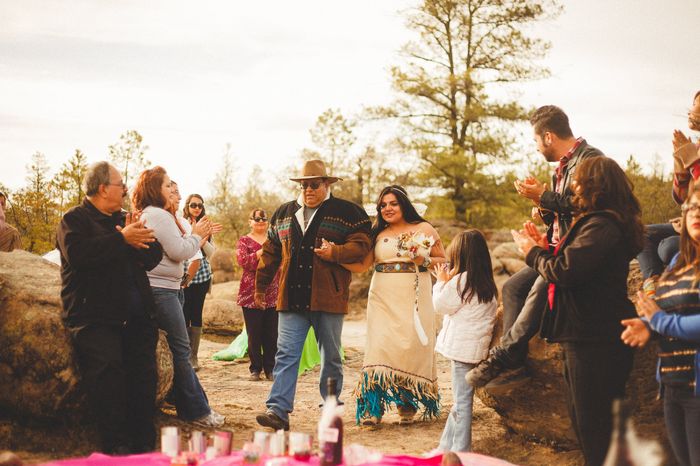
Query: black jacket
point(98, 268)
point(559, 202)
point(590, 273)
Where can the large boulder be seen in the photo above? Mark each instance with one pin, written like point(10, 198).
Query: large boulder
point(223, 260)
point(538, 409)
point(508, 251)
point(38, 374)
point(222, 265)
point(512, 266)
point(222, 317)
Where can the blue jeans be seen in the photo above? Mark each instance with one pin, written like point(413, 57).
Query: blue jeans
point(292, 330)
point(457, 435)
point(190, 400)
point(661, 243)
point(682, 415)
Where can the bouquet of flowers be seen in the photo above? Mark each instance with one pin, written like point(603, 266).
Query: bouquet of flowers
point(412, 245)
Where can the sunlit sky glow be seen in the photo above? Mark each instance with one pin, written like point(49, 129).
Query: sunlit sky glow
point(194, 76)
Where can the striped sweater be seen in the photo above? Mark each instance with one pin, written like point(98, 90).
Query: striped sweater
point(679, 325)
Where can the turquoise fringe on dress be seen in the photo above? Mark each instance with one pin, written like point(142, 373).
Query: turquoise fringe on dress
point(379, 388)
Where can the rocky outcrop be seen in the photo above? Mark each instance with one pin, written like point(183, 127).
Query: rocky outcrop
point(221, 314)
point(222, 264)
point(38, 375)
point(538, 410)
point(506, 257)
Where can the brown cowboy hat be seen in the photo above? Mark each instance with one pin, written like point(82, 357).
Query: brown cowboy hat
point(315, 169)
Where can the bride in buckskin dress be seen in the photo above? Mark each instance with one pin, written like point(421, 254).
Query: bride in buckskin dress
point(399, 364)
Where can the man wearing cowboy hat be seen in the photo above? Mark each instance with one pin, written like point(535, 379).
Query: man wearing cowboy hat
point(307, 241)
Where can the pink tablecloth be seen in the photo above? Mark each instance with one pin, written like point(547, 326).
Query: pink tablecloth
point(236, 459)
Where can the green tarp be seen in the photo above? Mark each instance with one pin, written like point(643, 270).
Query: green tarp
point(238, 349)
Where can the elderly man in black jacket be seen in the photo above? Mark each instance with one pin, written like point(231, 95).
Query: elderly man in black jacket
point(108, 310)
point(525, 293)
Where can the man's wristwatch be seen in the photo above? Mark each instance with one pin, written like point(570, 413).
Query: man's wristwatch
point(427, 261)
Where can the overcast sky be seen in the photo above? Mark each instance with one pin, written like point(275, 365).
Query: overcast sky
point(194, 76)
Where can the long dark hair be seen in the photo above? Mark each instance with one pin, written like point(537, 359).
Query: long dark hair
point(469, 253)
point(186, 210)
point(602, 185)
point(689, 253)
point(408, 211)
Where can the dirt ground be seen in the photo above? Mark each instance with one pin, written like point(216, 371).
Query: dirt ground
point(233, 395)
point(239, 399)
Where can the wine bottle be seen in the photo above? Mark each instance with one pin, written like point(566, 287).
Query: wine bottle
point(330, 429)
point(619, 450)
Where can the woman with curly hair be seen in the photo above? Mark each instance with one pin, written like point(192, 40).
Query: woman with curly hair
point(587, 296)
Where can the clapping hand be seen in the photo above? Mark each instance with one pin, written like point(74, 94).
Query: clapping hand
point(442, 272)
point(530, 188)
point(646, 307)
point(135, 233)
point(636, 332)
point(325, 252)
point(203, 228)
point(529, 237)
point(679, 139)
point(132, 217)
point(540, 239)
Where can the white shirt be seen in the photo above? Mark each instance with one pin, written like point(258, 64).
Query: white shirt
point(467, 327)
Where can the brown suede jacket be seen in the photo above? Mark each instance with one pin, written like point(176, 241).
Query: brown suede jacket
point(308, 283)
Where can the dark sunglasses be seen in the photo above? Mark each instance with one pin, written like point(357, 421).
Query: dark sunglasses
point(259, 219)
point(310, 184)
point(196, 205)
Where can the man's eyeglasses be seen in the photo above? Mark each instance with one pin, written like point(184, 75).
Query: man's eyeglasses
point(259, 219)
point(196, 205)
point(121, 184)
point(310, 184)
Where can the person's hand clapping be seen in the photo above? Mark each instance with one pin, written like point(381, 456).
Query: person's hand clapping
point(646, 307)
point(531, 230)
point(530, 188)
point(216, 228)
point(136, 234)
point(523, 241)
point(636, 332)
point(202, 228)
point(132, 217)
point(442, 272)
point(325, 252)
point(679, 139)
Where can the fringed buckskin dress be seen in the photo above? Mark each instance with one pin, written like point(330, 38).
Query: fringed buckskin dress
point(398, 369)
